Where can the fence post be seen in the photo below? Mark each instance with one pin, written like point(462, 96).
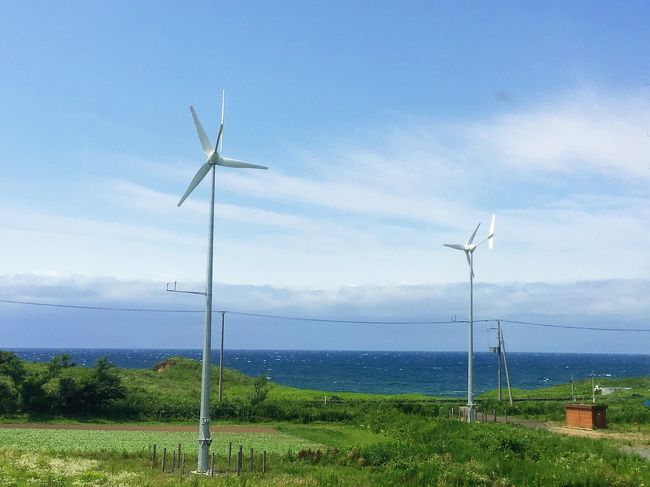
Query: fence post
point(250, 467)
point(164, 459)
point(239, 459)
point(212, 466)
point(153, 458)
point(173, 460)
point(264, 462)
point(178, 456)
point(229, 452)
point(183, 466)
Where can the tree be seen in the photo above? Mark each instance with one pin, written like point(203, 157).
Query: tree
point(12, 367)
point(259, 389)
point(57, 364)
point(103, 385)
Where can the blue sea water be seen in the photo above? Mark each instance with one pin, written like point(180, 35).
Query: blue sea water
point(434, 373)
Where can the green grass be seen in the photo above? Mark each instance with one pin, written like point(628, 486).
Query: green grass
point(639, 388)
point(340, 436)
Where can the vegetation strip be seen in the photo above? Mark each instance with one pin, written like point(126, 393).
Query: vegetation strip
point(139, 441)
point(139, 427)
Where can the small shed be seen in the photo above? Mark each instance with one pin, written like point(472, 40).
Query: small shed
point(586, 416)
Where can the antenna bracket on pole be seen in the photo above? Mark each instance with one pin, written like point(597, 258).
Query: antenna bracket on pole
point(174, 290)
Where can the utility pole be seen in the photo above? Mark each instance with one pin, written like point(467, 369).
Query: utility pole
point(497, 350)
point(573, 390)
point(593, 388)
point(502, 345)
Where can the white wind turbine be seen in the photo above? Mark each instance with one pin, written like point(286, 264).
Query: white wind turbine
point(214, 158)
point(469, 249)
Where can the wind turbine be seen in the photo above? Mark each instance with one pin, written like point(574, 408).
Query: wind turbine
point(469, 249)
point(214, 158)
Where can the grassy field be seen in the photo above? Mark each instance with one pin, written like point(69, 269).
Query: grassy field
point(390, 448)
point(352, 439)
point(625, 408)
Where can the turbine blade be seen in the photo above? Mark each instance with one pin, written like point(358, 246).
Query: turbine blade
point(219, 140)
point(203, 137)
point(219, 145)
point(491, 234)
point(223, 104)
point(198, 177)
point(471, 239)
point(224, 161)
point(455, 246)
point(469, 263)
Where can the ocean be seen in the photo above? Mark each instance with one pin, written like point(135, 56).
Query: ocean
point(433, 373)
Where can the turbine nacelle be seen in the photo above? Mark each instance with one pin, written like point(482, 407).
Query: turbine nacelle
point(213, 154)
point(469, 247)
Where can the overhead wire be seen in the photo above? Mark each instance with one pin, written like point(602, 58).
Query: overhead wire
point(319, 320)
point(574, 327)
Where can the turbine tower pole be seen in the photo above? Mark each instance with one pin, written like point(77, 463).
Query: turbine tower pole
point(204, 423)
point(499, 360)
point(214, 158)
point(223, 316)
point(470, 347)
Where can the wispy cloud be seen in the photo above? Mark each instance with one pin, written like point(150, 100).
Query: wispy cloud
point(581, 131)
point(566, 178)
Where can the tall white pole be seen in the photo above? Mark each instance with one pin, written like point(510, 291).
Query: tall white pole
point(470, 344)
point(204, 423)
point(499, 360)
point(223, 317)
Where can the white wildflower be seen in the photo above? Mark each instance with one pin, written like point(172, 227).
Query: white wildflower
point(71, 466)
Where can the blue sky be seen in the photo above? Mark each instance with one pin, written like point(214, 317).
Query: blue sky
point(388, 128)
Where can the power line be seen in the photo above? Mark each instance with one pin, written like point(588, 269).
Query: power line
point(573, 327)
point(101, 308)
point(238, 313)
point(320, 320)
point(355, 322)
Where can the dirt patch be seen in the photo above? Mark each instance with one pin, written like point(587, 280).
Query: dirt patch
point(631, 437)
point(227, 428)
point(164, 365)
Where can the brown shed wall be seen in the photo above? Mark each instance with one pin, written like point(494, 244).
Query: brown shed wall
point(586, 416)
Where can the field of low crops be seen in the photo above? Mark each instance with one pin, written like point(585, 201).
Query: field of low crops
point(138, 441)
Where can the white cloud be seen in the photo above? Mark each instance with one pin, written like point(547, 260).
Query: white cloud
point(583, 131)
point(380, 214)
